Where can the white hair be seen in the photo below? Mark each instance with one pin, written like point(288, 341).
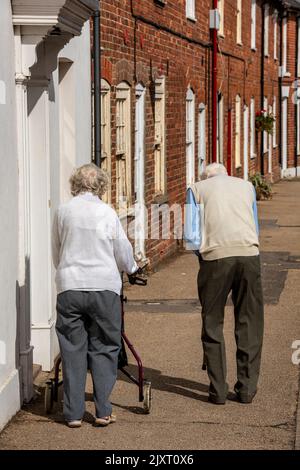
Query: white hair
point(215, 169)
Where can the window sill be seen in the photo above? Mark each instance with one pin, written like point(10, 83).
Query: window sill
point(253, 156)
point(253, 49)
point(240, 44)
point(160, 199)
point(190, 18)
point(129, 212)
point(221, 35)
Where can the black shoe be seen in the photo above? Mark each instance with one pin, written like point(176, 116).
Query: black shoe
point(215, 400)
point(245, 399)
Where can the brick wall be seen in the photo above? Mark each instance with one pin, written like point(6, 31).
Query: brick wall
point(144, 40)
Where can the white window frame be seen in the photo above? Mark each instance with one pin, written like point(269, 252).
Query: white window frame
point(253, 25)
point(190, 9)
point(123, 146)
point(274, 136)
point(284, 45)
point(265, 134)
point(160, 137)
point(266, 29)
point(106, 132)
point(237, 131)
point(190, 136)
point(221, 12)
point(239, 22)
point(220, 129)
point(252, 128)
point(275, 38)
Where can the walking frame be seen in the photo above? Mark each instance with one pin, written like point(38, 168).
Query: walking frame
point(144, 386)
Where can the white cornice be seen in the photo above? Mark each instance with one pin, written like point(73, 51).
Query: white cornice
point(68, 15)
point(36, 20)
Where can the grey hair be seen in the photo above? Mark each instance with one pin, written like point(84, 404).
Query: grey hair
point(89, 178)
point(214, 169)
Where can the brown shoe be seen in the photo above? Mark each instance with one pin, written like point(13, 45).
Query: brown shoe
point(105, 421)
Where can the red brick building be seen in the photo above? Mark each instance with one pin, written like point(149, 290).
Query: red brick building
point(156, 71)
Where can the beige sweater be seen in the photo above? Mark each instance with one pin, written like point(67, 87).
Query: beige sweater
point(227, 218)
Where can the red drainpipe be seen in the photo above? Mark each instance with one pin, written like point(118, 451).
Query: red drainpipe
point(229, 142)
point(214, 88)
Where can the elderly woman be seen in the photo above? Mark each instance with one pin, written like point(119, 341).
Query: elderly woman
point(89, 249)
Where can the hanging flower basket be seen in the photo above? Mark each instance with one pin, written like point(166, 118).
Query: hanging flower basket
point(264, 121)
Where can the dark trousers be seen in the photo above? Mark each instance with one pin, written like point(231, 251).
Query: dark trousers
point(240, 275)
point(89, 332)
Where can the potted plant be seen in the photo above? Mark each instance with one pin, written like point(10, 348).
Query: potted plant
point(262, 187)
point(264, 121)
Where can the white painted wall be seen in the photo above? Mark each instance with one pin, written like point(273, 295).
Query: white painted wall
point(9, 378)
point(69, 121)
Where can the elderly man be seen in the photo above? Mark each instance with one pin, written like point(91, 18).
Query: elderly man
point(221, 227)
point(89, 249)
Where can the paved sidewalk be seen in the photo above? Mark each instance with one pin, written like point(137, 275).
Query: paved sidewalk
point(163, 321)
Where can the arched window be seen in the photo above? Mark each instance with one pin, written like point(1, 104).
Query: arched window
point(123, 146)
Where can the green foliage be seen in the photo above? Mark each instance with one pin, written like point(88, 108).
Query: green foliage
point(262, 187)
point(264, 121)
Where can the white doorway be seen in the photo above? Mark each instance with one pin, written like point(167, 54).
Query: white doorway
point(190, 137)
point(246, 140)
point(284, 135)
point(67, 133)
point(270, 146)
point(201, 139)
point(139, 173)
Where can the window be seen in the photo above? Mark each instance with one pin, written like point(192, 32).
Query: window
point(123, 147)
point(252, 128)
point(105, 131)
point(237, 131)
point(284, 46)
point(220, 128)
point(275, 123)
point(253, 24)
point(265, 134)
point(159, 144)
point(190, 9)
point(266, 30)
point(221, 11)
point(190, 137)
point(239, 22)
point(275, 22)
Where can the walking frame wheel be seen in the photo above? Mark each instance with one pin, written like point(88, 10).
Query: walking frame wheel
point(49, 396)
point(147, 396)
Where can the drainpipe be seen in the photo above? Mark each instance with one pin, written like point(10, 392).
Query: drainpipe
point(97, 91)
point(262, 82)
point(214, 28)
point(280, 92)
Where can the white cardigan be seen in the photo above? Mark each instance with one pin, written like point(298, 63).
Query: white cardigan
point(89, 246)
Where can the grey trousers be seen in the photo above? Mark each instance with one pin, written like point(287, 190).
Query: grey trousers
point(240, 275)
point(89, 332)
